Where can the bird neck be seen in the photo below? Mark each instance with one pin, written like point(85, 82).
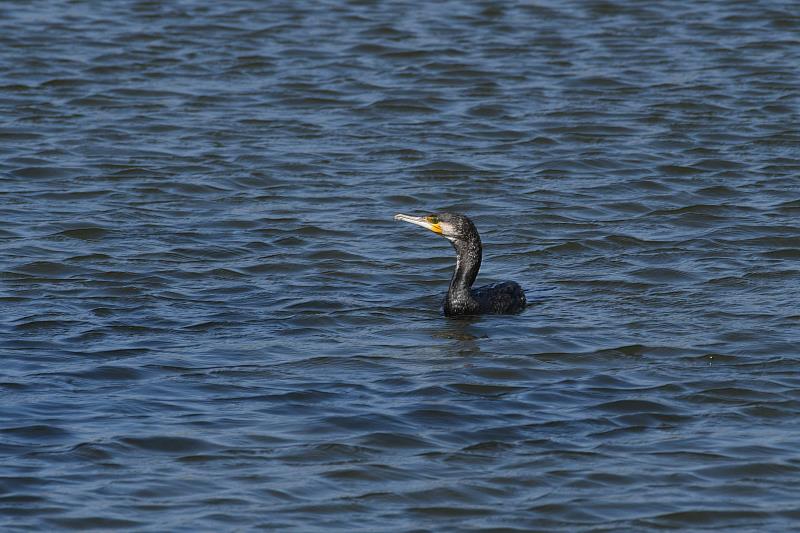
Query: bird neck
point(468, 262)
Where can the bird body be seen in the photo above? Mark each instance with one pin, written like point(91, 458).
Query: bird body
point(461, 299)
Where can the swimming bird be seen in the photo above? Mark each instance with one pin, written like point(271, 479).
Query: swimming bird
point(461, 299)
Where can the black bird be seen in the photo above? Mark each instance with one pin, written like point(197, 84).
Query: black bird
point(461, 299)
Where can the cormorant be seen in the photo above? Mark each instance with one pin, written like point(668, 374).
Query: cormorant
point(461, 298)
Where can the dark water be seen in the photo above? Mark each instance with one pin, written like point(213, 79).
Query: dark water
point(210, 320)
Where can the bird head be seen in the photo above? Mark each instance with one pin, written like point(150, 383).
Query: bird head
point(451, 226)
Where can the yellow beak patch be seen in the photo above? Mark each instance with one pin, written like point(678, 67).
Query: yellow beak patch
point(434, 222)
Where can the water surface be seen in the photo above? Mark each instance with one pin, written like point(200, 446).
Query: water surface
point(210, 320)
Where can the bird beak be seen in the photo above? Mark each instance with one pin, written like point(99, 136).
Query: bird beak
point(425, 222)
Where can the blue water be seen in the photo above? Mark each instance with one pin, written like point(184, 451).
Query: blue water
point(211, 321)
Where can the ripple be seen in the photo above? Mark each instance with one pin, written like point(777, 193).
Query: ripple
point(45, 172)
point(87, 233)
point(169, 444)
point(36, 432)
point(400, 106)
point(94, 522)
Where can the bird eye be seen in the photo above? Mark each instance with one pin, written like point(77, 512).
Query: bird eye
point(433, 219)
